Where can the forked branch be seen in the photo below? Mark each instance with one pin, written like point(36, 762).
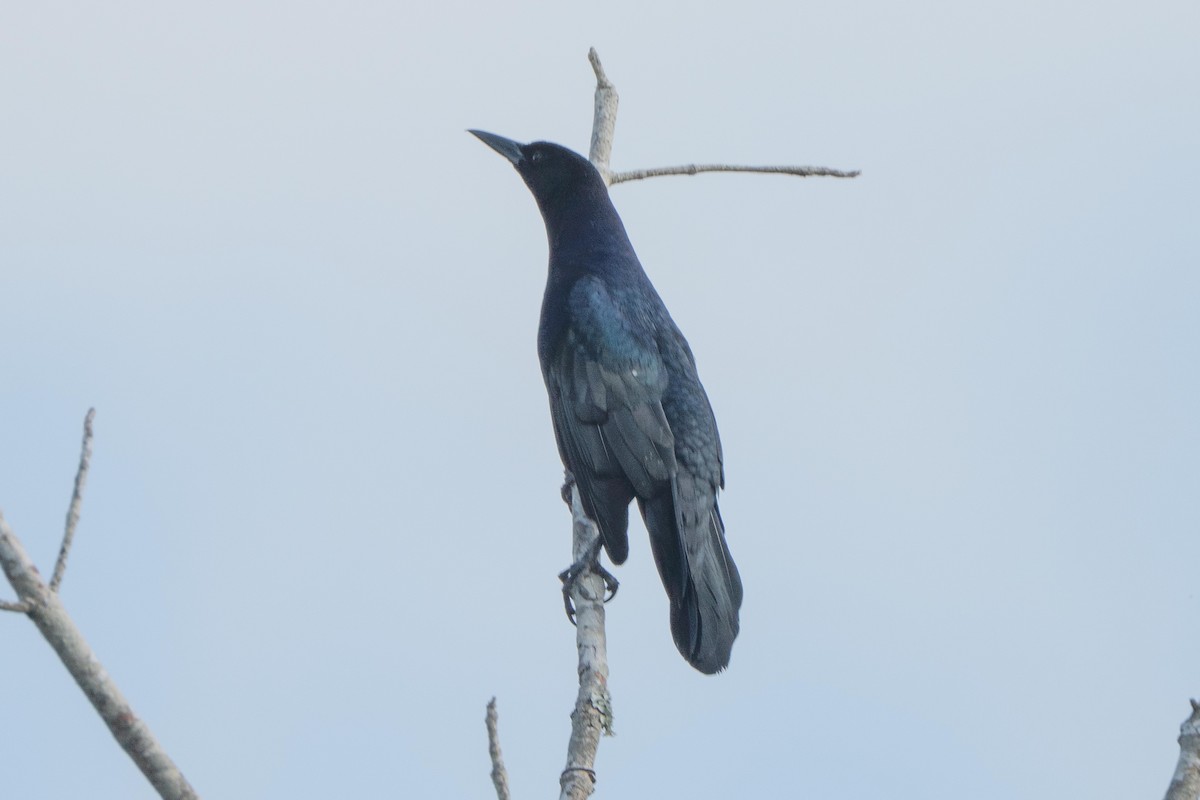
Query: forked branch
point(604, 124)
point(592, 716)
point(40, 602)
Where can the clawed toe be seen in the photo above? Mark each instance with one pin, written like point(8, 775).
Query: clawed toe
point(574, 572)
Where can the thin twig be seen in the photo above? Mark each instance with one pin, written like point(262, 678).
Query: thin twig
point(1185, 784)
point(42, 605)
point(499, 773)
point(604, 117)
point(85, 460)
point(20, 608)
point(593, 705)
point(694, 169)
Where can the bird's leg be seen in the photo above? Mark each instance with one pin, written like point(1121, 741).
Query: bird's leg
point(590, 562)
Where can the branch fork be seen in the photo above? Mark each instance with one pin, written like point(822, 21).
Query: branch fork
point(604, 123)
point(593, 716)
point(29, 586)
point(40, 602)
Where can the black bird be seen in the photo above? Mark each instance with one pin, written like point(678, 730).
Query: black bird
point(630, 415)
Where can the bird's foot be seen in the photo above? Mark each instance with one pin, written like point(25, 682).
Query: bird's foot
point(589, 563)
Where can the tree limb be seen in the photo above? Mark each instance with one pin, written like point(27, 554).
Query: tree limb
point(604, 124)
point(85, 460)
point(499, 773)
point(694, 169)
point(1185, 784)
point(593, 705)
point(592, 716)
point(40, 603)
point(604, 117)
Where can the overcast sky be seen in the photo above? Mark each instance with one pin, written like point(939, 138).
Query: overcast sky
point(958, 395)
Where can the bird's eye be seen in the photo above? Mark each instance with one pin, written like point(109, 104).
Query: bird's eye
point(536, 156)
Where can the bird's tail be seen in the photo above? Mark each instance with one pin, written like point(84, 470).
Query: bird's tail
point(688, 540)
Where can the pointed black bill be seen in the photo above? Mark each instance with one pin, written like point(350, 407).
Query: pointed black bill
point(505, 147)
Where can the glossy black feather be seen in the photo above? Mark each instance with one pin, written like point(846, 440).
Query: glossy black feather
point(630, 416)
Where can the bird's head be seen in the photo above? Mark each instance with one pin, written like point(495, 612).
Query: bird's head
point(552, 172)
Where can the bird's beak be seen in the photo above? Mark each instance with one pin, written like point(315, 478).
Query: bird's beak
point(505, 147)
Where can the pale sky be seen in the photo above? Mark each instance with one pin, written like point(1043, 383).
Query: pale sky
point(958, 395)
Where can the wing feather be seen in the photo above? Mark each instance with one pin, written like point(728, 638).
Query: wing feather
point(606, 387)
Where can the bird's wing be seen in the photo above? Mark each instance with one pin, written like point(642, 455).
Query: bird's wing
point(607, 382)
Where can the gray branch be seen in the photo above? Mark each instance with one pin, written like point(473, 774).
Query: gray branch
point(499, 773)
point(604, 124)
point(40, 602)
point(593, 705)
point(592, 716)
point(604, 117)
point(85, 460)
point(1185, 784)
point(695, 169)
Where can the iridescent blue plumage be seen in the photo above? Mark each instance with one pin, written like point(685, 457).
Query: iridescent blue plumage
point(630, 416)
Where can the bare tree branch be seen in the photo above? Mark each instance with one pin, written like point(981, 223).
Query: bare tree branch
point(40, 602)
point(8, 605)
point(1185, 784)
point(85, 460)
point(694, 169)
point(604, 124)
point(499, 773)
point(593, 705)
point(592, 716)
point(604, 117)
